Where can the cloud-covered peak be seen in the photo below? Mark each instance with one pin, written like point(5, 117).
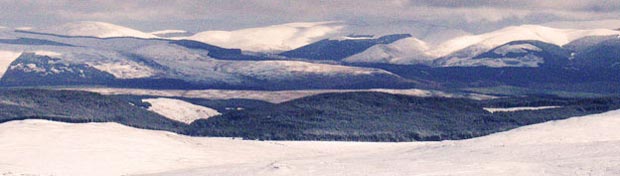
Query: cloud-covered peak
point(270, 38)
point(94, 29)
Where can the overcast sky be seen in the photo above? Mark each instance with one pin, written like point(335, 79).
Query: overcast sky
point(200, 15)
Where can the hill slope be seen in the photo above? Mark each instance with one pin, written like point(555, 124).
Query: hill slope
point(328, 49)
point(78, 107)
point(580, 145)
point(372, 116)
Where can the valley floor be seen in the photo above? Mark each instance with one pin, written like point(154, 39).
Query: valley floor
point(269, 96)
point(588, 145)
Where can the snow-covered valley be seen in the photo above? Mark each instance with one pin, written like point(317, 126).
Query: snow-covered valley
point(578, 146)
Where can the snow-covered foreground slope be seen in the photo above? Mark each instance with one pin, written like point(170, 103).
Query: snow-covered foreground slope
point(270, 38)
point(578, 146)
point(179, 110)
point(95, 29)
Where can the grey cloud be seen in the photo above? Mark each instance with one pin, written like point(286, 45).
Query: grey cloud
point(579, 5)
point(470, 15)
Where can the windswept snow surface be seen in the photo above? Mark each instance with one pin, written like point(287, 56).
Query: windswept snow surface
point(578, 146)
point(513, 109)
point(179, 110)
point(95, 29)
point(6, 58)
point(273, 38)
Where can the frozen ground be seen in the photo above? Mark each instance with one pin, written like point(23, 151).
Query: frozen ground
point(588, 145)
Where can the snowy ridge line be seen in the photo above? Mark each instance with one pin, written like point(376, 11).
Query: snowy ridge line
point(555, 36)
point(95, 29)
point(272, 38)
point(414, 51)
point(169, 31)
point(513, 109)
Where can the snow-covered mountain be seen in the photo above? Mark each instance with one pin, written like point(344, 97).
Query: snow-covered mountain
point(405, 51)
point(513, 54)
point(59, 60)
point(273, 38)
point(340, 47)
point(576, 146)
point(461, 50)
point(161, 63)
point(597, 53)
point(297, 39)
point(489, 40)
point(94, 29)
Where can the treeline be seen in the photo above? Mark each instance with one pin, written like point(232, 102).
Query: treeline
point(79, 107)
point(366, 116)
point(354, 116)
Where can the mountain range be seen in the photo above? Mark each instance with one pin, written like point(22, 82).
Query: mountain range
point(307, 56)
